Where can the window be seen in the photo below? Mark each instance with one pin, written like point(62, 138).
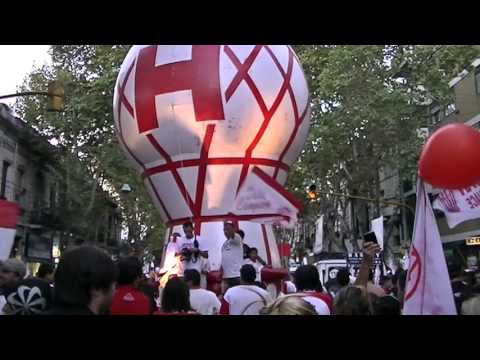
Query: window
point(477, 79)
point(3, 187)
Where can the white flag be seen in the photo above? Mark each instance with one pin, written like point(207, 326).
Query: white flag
point(318, 246)
point(377, 228)
point(428, 290)
point(262, 199)
point(459, 205)
point(9, 214)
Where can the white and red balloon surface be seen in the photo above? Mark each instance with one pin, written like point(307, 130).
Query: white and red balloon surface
point(195, 119)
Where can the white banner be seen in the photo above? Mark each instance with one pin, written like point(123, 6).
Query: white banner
point(377, 228)
point(9, 214)
point(264, 200)
point(318, 246)
point(428, 290)
point(459, 205)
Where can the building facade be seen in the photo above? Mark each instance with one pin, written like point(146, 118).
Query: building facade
point(30, 176)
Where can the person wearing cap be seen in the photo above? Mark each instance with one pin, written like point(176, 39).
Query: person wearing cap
point(11, 272)
point(232, 256)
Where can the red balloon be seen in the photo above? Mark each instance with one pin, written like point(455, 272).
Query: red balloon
point(449, 159)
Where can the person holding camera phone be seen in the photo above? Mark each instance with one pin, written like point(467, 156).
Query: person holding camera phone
point(189, 249)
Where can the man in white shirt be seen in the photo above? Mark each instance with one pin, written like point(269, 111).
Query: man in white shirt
point(189, 249)
point(232, 256)
point(256, 261)
point(202, 301)
point(247, 298)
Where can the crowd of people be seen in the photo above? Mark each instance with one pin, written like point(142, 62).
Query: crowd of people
point(88, 281)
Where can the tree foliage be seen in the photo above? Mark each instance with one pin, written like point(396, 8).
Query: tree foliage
point(367, 103)
point(92, 161)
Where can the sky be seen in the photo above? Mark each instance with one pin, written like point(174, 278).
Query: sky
point(16, 61)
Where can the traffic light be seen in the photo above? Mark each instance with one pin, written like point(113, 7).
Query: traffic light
point(56, 96)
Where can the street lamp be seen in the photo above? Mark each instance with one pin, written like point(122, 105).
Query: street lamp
point(55, 94)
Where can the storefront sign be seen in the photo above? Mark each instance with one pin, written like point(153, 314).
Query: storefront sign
point(473, 240)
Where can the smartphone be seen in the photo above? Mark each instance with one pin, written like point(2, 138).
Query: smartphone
point(370, 237)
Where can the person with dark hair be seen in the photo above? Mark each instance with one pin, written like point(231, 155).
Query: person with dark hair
point(256, 261)
point(176, 299)
point(460, 286)
point(343, 277)
point(190, 250)
point(246, 298)
point(46, 272)
point(246, 248)
point(203, 301)
point(307, 281)
point(388, 285)
point(84, 282)
point(232, 256)
point(128, 299)
point(386, 305)
point(400, 279)
point(12, 271)
point(355, 299)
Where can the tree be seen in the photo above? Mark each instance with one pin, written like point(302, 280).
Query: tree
point(367, 104)
point(91, 160)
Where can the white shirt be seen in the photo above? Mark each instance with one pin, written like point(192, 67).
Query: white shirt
point(258, 268)
point(320, 306)
point(204, 301)
point(246, 299)
point(232, 257)
point(184, 243)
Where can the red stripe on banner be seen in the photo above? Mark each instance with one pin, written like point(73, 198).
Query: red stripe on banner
point(267, 248)
point(275, 185)
point(214, 161)
point(202, 171)
point(9, 214)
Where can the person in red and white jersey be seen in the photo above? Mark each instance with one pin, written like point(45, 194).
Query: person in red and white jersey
point(307, 282)
point(190, 250)
point(256, 261)
point(246, 298)
point(128, 299)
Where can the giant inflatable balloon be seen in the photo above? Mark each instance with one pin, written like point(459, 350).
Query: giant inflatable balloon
point(194, 120)
point(449, 158)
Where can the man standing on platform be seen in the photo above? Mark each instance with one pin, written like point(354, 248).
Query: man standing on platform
point(190, 248)
point(232, 257)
